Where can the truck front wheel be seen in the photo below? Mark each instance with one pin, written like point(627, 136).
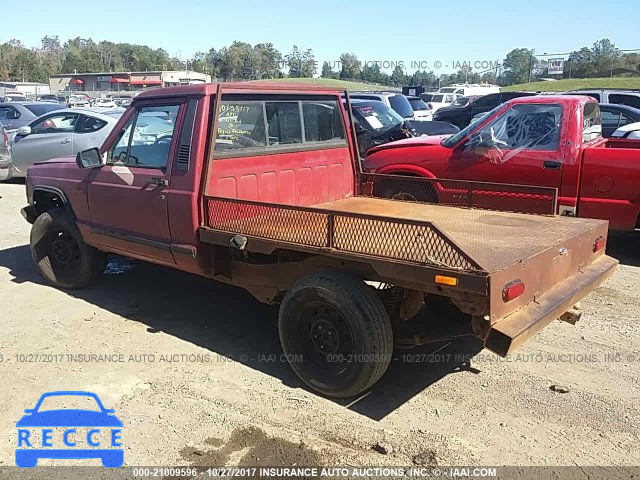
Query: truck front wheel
point(335, 333)
point(61, 256)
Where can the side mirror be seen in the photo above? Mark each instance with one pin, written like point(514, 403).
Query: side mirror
point(89, 158)
point(23, 131)
point(29, 410)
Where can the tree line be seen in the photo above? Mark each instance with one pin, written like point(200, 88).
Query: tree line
point(242, 61)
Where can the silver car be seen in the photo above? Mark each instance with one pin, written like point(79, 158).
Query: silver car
point(5, 154)
point(58, 134)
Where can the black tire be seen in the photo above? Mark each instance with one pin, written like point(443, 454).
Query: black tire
point(61, 256)
point(354, 349)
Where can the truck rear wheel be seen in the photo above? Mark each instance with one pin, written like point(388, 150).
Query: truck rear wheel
point(61, 256)
point(335, 333)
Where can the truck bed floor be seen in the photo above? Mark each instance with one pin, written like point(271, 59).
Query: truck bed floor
point(459, 238)
point(495, 240)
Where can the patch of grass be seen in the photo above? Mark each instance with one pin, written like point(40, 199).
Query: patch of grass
point(576, 83)
point(331, 82)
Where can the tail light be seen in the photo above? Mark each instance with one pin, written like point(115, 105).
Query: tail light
point(599, 244)
point(6, 140)
point(512, 290)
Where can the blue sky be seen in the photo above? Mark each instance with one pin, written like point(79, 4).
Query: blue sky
point(445, 31)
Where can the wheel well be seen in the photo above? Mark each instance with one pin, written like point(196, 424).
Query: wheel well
point(421, 192)
point(45, 200)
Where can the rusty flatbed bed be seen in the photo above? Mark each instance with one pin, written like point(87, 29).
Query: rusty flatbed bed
point(495, 240)
point(444, 236)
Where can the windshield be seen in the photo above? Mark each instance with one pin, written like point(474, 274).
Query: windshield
point(454, 139)
point(418, 104)
point(401, 105)
point(375, 116)
point(447, 90)
point(38, 110)
point(460, 102)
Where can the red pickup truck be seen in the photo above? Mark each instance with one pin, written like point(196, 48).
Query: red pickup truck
point(551, 141)
point(258, 185)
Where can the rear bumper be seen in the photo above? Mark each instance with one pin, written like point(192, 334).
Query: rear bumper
point(507, 335)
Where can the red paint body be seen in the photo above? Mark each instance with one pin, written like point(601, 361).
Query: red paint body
point(598, 179)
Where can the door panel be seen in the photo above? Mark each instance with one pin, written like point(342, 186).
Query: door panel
point(38, 147)
point(129, 212)
point(128, 195)
point(522, 146)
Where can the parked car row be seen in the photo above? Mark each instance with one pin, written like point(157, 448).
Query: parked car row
point(376, 124)
point(461, 116)
point(12, 97)
point(61, 132)
point(14, 115)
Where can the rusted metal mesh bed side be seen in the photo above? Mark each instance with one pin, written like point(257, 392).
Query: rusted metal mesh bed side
point(461, 193)
point(408, 240)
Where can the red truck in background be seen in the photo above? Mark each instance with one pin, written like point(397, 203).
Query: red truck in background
point(553, 141)
point(258, 186)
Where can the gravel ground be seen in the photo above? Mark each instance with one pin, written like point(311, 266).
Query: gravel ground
point(198, 379)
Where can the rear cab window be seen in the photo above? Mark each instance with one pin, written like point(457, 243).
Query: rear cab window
point(258, 127)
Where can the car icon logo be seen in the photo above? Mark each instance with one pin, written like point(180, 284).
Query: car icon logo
point(103, 429)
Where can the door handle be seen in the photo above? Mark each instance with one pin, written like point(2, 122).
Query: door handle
point(551, 165)
point(162, 182)
point(65, 141)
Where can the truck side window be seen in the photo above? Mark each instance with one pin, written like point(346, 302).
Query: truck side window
point(283, 123)
point(322, 121)
point(592, 122)
point(118, 153)
point(146, 140)
point(525, 126)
